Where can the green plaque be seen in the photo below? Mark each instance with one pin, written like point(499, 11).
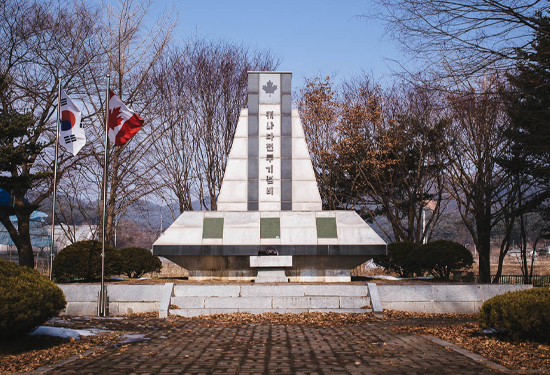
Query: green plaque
point(326, 227)
point(270, 227)
point(212, 227)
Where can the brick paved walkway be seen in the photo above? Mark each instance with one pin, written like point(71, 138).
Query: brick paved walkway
point(182, 346)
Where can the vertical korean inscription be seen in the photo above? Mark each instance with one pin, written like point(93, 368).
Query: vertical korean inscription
point(270, 157)
point(269, 134)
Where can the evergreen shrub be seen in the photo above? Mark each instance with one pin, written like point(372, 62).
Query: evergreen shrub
point(81, 261)
point(399, 259)
point(441, 258)
point(137, 261)
point(523, 314)
point(27, 299)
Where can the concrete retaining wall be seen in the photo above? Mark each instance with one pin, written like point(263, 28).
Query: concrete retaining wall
point(441, 298)
point(123, 299)
point(201, 299)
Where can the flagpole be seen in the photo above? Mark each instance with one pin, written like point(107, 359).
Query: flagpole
point(102, 296)
point(55, 173)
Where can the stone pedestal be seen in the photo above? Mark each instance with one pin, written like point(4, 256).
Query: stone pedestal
point(271, 269)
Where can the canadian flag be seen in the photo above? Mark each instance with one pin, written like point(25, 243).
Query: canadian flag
point(123, 123)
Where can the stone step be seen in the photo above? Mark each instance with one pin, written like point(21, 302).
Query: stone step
point(268, 302)
point(281, 290)
point(206, 299)
point(197, 312)
point(210, 290)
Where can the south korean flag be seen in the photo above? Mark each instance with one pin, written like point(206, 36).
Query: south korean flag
point(71, 133)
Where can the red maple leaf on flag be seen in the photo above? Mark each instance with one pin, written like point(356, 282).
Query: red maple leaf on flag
point(114, 118)
point(123, 122)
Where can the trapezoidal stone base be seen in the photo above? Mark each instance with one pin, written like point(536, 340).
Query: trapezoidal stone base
point(304, 268)
point(303, 276)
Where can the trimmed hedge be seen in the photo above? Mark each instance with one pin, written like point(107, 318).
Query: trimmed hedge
point(441, 258)
point(399, 259)
point(137, 261)
point(523, 314)
point(27, 300)
point(81, 261)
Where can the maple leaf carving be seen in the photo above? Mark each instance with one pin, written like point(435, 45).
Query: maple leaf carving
point(269, 88)
point(114, 118)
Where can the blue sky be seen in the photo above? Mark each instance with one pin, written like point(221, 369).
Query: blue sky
point(309, 36)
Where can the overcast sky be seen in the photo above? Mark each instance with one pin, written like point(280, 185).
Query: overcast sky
point(309, 36)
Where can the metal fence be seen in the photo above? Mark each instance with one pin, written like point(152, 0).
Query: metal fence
point(536, 280)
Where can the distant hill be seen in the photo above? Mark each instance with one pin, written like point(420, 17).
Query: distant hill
point(144, 213)
point(152, 218)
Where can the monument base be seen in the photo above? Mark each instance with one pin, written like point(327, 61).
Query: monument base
point(271, 275)
point(271, 269)
point(238, 268)
point(294, 276)
point(222, 275)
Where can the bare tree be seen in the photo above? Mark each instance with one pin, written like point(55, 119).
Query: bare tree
point(468, 35)
point(319, 112)
point(531, 227)
point(409, 185)
point(131, 54)
point(172, 157)
point(77, 201)
point(39, 41)
point(481, 188)
point(205, 93)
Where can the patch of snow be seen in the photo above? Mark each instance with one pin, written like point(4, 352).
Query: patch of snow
point(108, 317)
point(372, 266)
point(66, 333)
point(133, 338)
point(491, 331)
point(384, 277)
point(57, 320)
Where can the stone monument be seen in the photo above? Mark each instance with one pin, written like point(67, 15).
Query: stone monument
point(269, 198)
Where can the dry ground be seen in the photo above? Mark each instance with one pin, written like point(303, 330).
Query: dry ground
point(32, 352)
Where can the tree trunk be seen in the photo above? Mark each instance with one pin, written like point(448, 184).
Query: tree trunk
point(501, 257)
point(21, 235)
point(26, 256)
point(21, 238)
point(484, 249)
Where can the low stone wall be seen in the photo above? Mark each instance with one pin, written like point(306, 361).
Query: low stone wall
point(192, 299)
point(123, 299)
point(441, 298)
